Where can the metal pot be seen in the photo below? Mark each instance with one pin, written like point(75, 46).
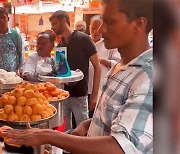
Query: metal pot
point(58, 118)
point(44, 123)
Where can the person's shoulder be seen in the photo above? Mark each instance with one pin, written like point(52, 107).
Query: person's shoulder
point(33, 55)
point(81, 34)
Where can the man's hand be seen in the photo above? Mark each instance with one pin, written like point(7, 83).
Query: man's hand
point(29, 137)
point(82, 128)
point(93, 101)
point(27, 76)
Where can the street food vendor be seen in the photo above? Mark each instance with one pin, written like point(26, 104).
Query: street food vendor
point(45, 44)
point(123, 118)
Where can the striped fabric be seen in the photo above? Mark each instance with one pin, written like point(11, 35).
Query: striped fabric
point(125, 108)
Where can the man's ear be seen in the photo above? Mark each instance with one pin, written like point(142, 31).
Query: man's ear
point(64, 20)
point(141, 24)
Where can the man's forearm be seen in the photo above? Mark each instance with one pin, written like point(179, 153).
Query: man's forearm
point(96, 80)
point(83, 145)
point(106, 63)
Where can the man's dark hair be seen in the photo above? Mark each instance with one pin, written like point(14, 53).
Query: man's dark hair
point(51, 35)
point(137, 8)
point(3, 11)
point(59, 15)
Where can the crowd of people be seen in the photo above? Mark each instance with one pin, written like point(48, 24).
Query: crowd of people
point(116, 60)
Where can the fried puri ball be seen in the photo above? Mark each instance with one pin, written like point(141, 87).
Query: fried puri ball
point(52, 108)
point(31, 101)
point(3, 128)
point(1, 104)
point(12, 100)
point(54, 93)
point(64, 93)
point(40, 101)
point(40, 96)
point(21, 101)
point(25, 84)
point(29, 94)
point(3, 116)
point(13, 117)
point(31, 87)
point(8, 109)
point(17, 92)
point(45, 114)
point(50, 111)
point(44, 106)
point(24, 118)
point(18, 110)
point(49, 86)
point(48, 96)
point(37, 109)
point(4, 98)
point(27, 110)
point(35, 117)
point(41, 87)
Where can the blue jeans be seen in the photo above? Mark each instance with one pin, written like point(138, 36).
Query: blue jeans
point(79, 107)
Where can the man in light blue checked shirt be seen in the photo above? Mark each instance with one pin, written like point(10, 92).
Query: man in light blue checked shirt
point(123, 118)
point(11, 57)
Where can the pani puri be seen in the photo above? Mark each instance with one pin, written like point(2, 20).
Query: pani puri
point(27, 110)
point(37, 109)
point(29, 94)
point(18, 110)
point(12, 100)
point(17, 92)
point(45, 114)
point(50, 111)
point(24, 118)
point(31, 101)
point(8, 109)
point(21, 101)
point(35, 117)
point(13, 117)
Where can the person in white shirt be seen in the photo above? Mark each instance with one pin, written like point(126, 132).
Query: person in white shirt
point(107, 58)
point(45, 43)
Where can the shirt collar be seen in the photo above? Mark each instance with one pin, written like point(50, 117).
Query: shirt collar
point(9, 31)
point(98, 42)
point(143, 58)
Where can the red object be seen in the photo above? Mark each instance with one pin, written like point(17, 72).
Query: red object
point(3, 0)
point(62, 127)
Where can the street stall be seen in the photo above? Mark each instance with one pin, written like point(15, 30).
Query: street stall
point(23, 102)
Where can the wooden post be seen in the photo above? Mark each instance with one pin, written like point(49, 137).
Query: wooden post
point(14, 16)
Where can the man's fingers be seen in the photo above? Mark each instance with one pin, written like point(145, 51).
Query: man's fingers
point(28, 126)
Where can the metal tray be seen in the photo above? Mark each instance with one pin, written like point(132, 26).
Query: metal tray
point(76, 76)
point(9, 86)
point(21, 123)
point(58, 101)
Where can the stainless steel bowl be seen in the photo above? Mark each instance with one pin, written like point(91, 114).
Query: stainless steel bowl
point(44, 123)
point(7, 87)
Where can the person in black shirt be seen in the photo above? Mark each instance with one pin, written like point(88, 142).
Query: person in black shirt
point(80, 49)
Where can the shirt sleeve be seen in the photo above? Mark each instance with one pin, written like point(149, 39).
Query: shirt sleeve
point(114, 57)
point(31, 64)
point(133, 127)
point(89, 46)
